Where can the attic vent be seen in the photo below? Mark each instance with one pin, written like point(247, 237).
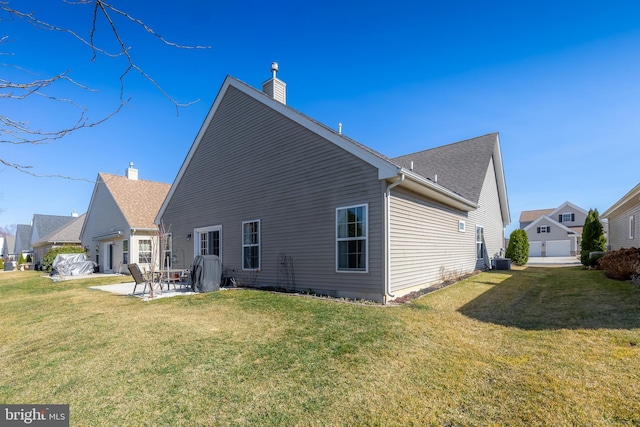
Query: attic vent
point(274, 87)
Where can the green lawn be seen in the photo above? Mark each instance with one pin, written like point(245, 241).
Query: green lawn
point(534, 346)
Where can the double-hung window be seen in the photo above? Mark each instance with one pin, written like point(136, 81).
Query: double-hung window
point(479, 242)
point(351, 238)
point(144, 251)
point(251, 245)
point(125, 251)
point(632, 227)
point(168, 251)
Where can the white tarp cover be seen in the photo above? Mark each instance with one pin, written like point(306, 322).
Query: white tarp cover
point(72, 265)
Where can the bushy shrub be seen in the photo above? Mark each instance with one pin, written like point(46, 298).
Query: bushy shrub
point(48, 258)
point(518, 249)
point(29, 259)
point(591, 258)
point(1, 264)
point(621, 264)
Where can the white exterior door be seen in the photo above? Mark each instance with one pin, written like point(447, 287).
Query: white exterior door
point(535, 248)
point(558, 248)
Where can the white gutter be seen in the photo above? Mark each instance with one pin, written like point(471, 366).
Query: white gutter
point(387, 202)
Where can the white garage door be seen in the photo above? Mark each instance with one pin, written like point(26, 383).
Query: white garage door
point(558, 248)
point(535, 248)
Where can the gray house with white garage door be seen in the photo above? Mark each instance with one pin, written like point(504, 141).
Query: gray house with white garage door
point(285, 201)
point(554, 232)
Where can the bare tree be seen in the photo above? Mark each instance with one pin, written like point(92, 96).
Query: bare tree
point(27, 86)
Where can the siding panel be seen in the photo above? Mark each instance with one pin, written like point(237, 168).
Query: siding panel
point(253, 163)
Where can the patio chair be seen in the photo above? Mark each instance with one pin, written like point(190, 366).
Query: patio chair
point(139, 278)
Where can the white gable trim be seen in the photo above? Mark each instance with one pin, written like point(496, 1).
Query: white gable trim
point(563, 207)
point(631, 196)
point(552, 221)
point(385, 168)
point(502, 185)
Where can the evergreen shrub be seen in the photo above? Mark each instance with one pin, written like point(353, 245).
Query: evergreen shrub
point(518, 249)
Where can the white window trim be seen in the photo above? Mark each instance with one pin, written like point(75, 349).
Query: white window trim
point(631, 226)
point(165, 251)
point(196, 238)
point(128, 251)
point(476, 245)
point(138, 240)
point(462, 226)
point(366, 239)
point(259, 244)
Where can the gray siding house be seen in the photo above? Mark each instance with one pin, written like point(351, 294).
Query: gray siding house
point(119, 227)
point(286, 202)
point(623, 218)
point(554, 232)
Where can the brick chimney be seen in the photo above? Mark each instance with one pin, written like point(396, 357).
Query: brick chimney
point(274, 87)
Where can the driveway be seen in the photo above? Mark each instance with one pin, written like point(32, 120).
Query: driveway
point(553, 261)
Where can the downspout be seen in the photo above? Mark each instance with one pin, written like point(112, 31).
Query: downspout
point(387, 207)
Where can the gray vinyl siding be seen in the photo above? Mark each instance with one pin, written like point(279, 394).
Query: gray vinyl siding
point(619, 229)
point(426, 245)
point(104, 217)
point(489, 216)
point(252, 163)
point(425, 241)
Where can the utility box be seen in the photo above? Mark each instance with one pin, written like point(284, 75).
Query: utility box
point(502, 264)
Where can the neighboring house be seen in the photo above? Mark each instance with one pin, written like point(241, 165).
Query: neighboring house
point(43, 225)
point(10, 245)
point(554, 232)
point(4, 248)
point(286, 202)
point(67, 235)
point(623, 218)
point(119, 226)
point(23, 241)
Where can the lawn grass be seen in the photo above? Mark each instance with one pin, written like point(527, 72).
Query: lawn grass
point(533, 346)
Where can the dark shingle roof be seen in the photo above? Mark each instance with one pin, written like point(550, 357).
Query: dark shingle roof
point(68, 233)
point(23, 238)
point(460, 167)
point(47, 224)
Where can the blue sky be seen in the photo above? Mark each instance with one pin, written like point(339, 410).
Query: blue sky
point(558, 80)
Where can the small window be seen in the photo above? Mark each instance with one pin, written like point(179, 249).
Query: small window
point(251, 245)
point(461, 226)
point(351, 238)
point(632, 227)
point(168, 250)
point(144, 251)
point(479, 242)
point(125, 251)
point(544, 229)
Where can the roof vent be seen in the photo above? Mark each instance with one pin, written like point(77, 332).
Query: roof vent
point(274, 87)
